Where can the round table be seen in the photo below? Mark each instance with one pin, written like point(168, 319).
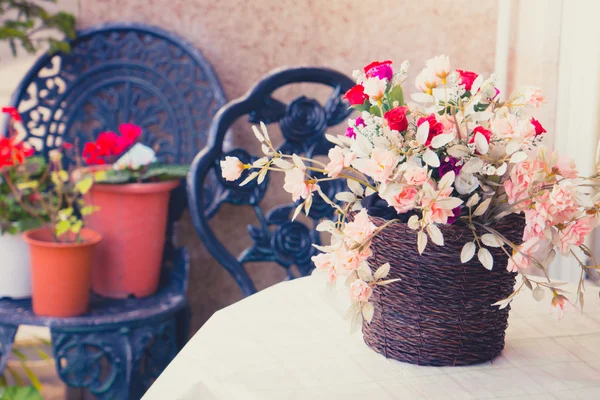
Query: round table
point(290, 342)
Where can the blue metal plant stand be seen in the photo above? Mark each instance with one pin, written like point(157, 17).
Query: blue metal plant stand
point(119, 73)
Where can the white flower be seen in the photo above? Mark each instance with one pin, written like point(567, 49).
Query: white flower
point(375, 87)
point(427, 80)
point(466, 183)
point(138, 156)
point(231, 168)
point(440, 66)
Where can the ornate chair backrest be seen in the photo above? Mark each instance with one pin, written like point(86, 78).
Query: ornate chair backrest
point(303, 124)
point(117, 73)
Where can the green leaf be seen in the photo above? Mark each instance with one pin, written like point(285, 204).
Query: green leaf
point(63, 227)
point(76, 227)
point(362, 107)
point(396, 94)
point(120, 176)
point(375, 111)
point(84, 185)
point(87, 210)
point(21, 393)
point(27, 185)
point(165, 172)
point(65, 213)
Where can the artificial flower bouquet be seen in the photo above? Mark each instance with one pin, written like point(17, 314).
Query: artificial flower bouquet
point(456, 157)
point(132, 190)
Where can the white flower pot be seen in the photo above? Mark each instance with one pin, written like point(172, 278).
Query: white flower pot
point(15, 272)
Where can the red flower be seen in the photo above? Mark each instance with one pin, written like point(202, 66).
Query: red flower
point(356, 95)
point(396, 118)
point(12, 111)
point(379, 69)
point(67, 146)
point(13, 153)
point(435, 127)
point(467, 78)
point(539, 129)
point(480, 129)
point(109, 144)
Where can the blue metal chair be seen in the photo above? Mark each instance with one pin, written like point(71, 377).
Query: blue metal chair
point(303, 123)
point(119, 73)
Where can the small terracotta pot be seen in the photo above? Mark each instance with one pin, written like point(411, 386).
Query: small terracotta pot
point(132, 220)
point(61, 273)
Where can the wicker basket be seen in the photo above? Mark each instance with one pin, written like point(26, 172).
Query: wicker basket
point(440, 313)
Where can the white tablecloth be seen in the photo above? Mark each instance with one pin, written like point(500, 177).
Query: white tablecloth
point(290, 342)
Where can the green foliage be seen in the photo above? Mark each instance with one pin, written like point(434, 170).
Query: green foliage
point(28, 24)
point(13, 218)
point(396, 94)
point(154, 172)
point(19, 393)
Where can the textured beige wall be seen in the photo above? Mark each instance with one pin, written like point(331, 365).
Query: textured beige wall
point(246, 39)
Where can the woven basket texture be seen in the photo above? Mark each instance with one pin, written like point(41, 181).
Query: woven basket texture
point(441, 312)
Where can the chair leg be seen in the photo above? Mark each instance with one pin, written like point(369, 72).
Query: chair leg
point(183, 317)
point(7, 336)
point(117, 364)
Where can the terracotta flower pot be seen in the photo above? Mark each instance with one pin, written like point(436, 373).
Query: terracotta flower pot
point(132, 220)
point(61, 273)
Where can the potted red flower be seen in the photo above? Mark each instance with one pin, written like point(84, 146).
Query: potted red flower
point(132, 192)
point(61, 249)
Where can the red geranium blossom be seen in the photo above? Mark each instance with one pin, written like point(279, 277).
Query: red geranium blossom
point(12, 111)
point(109, 145)
point(13, 153)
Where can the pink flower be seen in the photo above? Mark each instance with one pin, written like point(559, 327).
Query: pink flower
point(350, 132)
point(298, 184)
point(324, 262)
point(562, 204)
point(560, 304)
point(231, 168)
point(401, 197)
point(349, 260)
point(537, 219)
point(574, 234)
point(533, 96)
point(467, 78)
point(360, 291)
point(520, 259)
point(375, 87)
point(379, 166)
point(566, 167)
point(379, 70)
point(539, 129)
point(339, 159)
point(360, 122)
point(361, 229)
point(416, 176)
point(433, 213)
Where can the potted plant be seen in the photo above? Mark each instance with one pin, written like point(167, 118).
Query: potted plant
point(451, 195)
point(62, 250)
point(15, 276)
point(132, 192)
